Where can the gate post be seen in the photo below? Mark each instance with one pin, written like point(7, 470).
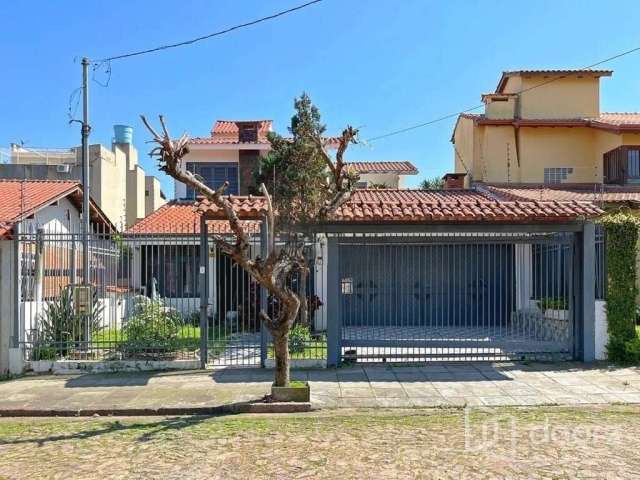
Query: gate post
point(204, 291)
point(264, 303)
point(584, 305)
point(334, 318)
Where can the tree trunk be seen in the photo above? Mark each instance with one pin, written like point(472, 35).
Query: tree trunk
point(281, 352)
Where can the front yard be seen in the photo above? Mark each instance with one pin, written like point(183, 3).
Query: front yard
point(438, 443)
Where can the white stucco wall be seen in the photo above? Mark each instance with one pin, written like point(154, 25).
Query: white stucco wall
point(391, 180)
point(602, 335)
point(61, 217)
point(6, 302)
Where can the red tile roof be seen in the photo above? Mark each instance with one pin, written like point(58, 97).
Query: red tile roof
point(231, 127)
point(402, 168)
point(378, 206)
point(422, 206)
point(615, 122)
point(227, 132)
point(20, 199)
point(550, 73)
point(181, 217)
point(586, 192)
point(617, 119)
point(218, 141)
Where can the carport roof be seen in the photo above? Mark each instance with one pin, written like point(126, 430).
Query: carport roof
point(183, 217)
point(386, 206)
point(455, 206)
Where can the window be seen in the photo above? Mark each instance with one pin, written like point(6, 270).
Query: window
point(214, 175)
point(633, 163)
point(248, 133)
point(557, 174)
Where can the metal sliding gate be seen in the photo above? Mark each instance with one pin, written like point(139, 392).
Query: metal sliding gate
point(456, 297)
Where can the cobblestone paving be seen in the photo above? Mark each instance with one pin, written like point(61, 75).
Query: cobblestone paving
point(360, 386)
point(539, 442)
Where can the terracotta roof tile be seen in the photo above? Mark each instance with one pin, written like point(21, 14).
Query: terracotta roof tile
point(17, 197)
point(418, 206)
point(180, 217)
point(250, 208)
point(21, 198)
point(402, 168)
point(230, 127)
point(617, 122)
point(618, 119)
point(584, 192)
point(550, 72)
point(378, 206)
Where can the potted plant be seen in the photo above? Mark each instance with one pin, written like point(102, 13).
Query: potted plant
point(556, 308)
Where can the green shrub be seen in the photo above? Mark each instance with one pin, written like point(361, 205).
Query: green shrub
point(299, 337)
point(554, 303)
point(621, 239)
point(153, 328)
point(60, 329)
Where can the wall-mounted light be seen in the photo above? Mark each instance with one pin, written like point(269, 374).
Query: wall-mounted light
point(346, 286)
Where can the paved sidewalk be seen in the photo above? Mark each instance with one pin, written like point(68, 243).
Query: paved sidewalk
point(431, 385)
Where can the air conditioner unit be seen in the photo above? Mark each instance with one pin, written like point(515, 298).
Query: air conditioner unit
point(63, 168)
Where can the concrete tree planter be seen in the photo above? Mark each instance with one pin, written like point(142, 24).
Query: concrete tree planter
point(295, 392)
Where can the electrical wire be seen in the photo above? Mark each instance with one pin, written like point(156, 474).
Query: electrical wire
point(74, 102)
point(476, 107)
point(211, 35)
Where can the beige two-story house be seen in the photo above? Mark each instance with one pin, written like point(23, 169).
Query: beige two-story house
point(544, 130)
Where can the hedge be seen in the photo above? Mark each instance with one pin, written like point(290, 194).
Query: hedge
point(622, 237)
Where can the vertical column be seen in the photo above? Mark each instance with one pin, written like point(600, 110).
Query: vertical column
point(264, 303)
point(334, 300)
point(204, 291)
point(588, 298)
point(523, 275)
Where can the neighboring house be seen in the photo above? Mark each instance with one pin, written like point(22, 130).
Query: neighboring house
point(26, 208)
point(230, 154)
point(232, 151)
point(546, 127)
point(389, 174)
point(117, 182)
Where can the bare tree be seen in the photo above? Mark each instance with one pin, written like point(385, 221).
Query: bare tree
point(274, 271)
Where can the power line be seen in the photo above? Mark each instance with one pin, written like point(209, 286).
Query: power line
point(476, 107)
point(214, 34)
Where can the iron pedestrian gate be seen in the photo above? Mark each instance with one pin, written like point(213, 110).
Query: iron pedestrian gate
point(459, 296)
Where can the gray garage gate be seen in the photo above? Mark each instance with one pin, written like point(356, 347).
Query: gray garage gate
point(459, 293)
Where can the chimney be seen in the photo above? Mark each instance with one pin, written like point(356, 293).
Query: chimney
point(454, 181)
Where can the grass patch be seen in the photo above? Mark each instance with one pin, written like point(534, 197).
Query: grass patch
point(316, 349)
point(188, 339)
point(223, 426)
point(297, 384)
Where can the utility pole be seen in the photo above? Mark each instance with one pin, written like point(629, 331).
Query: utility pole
point(86, 129)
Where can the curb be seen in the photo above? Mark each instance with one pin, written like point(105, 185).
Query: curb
point(275, 407)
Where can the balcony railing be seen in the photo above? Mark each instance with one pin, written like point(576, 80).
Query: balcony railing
point(622, 165)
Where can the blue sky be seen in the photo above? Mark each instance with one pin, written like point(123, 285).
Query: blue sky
point(378, 64)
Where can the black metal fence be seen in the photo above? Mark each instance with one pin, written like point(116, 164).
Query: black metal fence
point(146, 300)
point(401, 298)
